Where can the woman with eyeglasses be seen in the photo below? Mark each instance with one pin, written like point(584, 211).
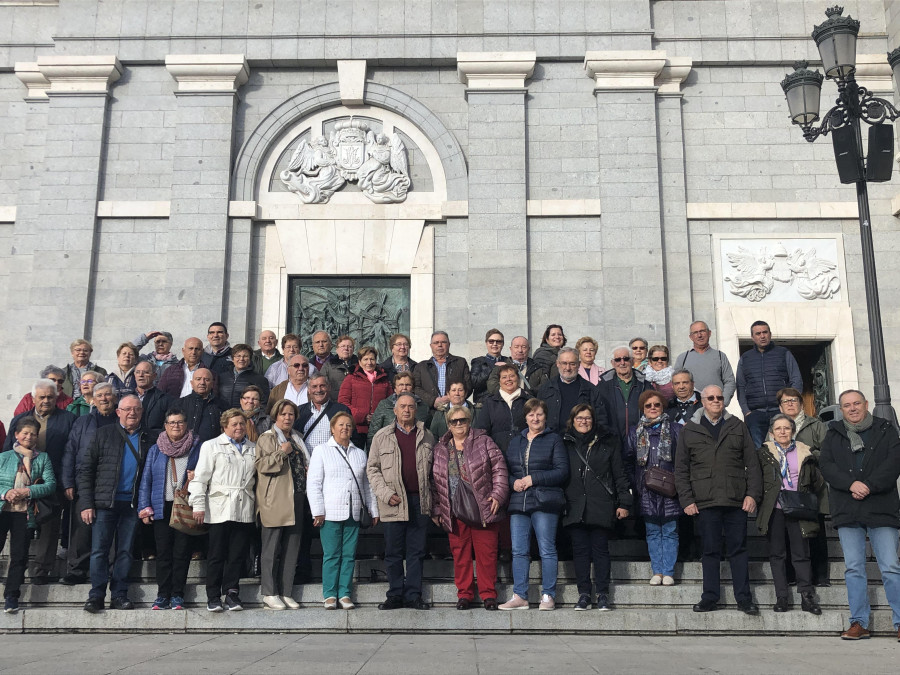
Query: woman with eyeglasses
point(552, 341)
point(651, 443)
point(257, 419)
point(638, 348)
point(587, 353)
point(467, 459)
point(659, 373)
point(122, 377)
point(598, 493)
point(398, 361)
point(362, 390)
point(85, 401)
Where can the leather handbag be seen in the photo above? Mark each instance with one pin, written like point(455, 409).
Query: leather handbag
point(660, 481)
point(182, 518)
point(44, 508)
point(798, 505)
point(464, 506)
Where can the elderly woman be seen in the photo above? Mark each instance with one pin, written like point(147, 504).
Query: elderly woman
point(538, 469)
point(337, 489)
point(482, 366)
point(282, 461)
point(362, 390)
point(25, 475)
point(169, 466)
point(659, 373)
point(502, 415)
point(598, 493)
point(84, 403)
point(788, 465)
point(161, 357)
point(551, 342)
point(399, 361)
point(81, 351)
point(58, 377)
point(122, 378)
point(638, 347)
point(384, 413)
point(587, 352)
point(222, 496)
point(457, 394)
point(251, 406)
point(467, 459)
point(651, 443)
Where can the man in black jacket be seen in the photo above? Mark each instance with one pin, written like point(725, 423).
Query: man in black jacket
point(687, 399)
point(531, 374)
point(108, 483)
point(615, 398)
point(200, 406)
point(563, 392)
point(434, 376)
point(860, 460)
point(154, 402)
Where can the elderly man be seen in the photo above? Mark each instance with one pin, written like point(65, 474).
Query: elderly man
point(218, 347)
point(108, 483)
point(687, 398)
point(83, 430)
point(81, 351)
point(707, 365)
point(56, 425)
point(267, 354)
point(233, 381)
point(201, 408)
point(56, 375)
point(155, 403)
point(295, 387)
point(531, 375)
point(321, 346)
point(762, 371)
point(615, 399)
point(340, 365)
point(719, 481)
point(176, 381)
point(314, 418)
point(384, 411)
point(279, 372)
point(563, 392)
point(860, 461)
point(399, 471)
point(161, 357)
point(434, 376)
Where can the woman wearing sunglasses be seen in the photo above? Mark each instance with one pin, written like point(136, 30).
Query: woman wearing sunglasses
point(651, 444)
point(659, 372)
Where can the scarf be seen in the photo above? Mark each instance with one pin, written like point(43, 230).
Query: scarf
point(800, 419)
point(175, 449)
point(642, 435)
point(782, 455)
point(591, 374)
point(509, 398)
point(856, 442)
point(663, 376)
point(583, 440)
point(296, 460)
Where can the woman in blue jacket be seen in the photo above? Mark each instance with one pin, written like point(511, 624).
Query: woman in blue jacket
point(170, 465)
point(25, 475)
point(538, 469)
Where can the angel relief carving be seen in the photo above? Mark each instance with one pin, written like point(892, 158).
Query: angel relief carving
point(353, 152)
point(813, 278)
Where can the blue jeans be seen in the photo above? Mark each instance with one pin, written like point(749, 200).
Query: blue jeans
point(662, 544)
point(884, 544)
point(119, 522)
point(757, 422)
point(544, 524)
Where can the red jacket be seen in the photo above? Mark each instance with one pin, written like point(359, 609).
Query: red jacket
point(27, 403)
point(487, 474)
point(362, 396)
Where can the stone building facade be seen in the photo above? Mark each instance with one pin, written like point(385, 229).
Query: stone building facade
point(616, 166)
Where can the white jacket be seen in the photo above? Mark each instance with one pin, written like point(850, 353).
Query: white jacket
point(330, 487)
point(223, 482)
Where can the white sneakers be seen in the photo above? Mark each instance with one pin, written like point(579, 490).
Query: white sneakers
point(656, 580)
point(273, 602)
point(668, 581)
point(289, 602)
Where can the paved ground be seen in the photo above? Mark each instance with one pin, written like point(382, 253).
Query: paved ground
point(445, 654)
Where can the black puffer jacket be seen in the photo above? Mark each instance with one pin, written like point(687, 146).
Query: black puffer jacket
point(155, 405)
point(501, 422)
point(98, 475)
point(232, 385)
point(592, 496)
point(547, 464)
point(480, 371)
point(202, 415)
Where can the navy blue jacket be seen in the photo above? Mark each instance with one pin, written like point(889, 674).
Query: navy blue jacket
point(548, 466)
point(80, 438)
point(760, 374)
point(332, 408)
point(157, 472)
point(500, 421)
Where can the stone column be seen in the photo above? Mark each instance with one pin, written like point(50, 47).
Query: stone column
point(496, 244)
point(632, 263)
point(676, 248)
point(202, 280)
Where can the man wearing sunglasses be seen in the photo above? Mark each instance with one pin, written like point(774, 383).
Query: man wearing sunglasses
point(719, 481)
point(615, 398)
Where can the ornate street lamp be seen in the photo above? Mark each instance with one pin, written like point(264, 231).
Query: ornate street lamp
point(836, 40)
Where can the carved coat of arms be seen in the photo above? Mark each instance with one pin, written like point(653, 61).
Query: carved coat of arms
point(757, 273)
point(353, 152)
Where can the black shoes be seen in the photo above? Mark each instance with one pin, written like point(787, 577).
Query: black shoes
point(809, 604)
point(233, 603)
point(393, 602)
point(94, 605)
point(418, 603)
point(71, 580)
point(463, 603)
point(490, 604)
point(748, 607)
point(584, 603)
point(214, 605)
point(121, 603)
point(781, 605)
point(706, 606)
point(43, 581)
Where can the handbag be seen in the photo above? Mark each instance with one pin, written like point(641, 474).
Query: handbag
point(182, 518)
point(798, 505)
point(43, 508)
point(660, 481)
point(464, 506)
point(365, 517)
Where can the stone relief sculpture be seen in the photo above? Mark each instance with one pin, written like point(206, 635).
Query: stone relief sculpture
point(811, 277)
point(353, 152)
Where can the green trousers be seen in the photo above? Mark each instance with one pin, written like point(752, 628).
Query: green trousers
point(338, 556)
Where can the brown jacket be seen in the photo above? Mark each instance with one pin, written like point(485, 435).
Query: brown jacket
point(274, 483)
point(384, 472)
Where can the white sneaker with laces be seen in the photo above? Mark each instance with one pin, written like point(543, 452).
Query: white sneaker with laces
point(547, 603)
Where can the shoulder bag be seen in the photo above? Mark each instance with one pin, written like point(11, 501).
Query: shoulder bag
point(464, 506)
point(44, 508)
point(659, 480)
point(182, 518)
point(798, 505)
point(365, 518)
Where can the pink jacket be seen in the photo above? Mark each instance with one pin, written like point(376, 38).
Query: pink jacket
point(487, 472)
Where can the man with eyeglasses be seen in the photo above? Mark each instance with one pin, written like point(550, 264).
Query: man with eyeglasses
point(482, 366)
point(108, 482)
point(294, 389)
point(707, 365)
point(719, 481)
point(762, 371)
point(565, 391)
point(57, 376)
point(435, 375)
point(531, 374)
point(267, 354)
point(615, 398)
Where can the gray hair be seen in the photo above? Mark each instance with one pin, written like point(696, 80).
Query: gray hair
point(440, 332)
point(44, 383)
point(127, 396)
point(566, 350)
point(612, 354)
point(52, 370)
point(405, 394)
point(782, 416)
point(684, 371)
point(102, 386)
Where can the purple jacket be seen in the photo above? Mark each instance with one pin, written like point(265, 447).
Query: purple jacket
point(650, 503)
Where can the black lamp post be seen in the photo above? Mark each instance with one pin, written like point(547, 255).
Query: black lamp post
point(836, 40)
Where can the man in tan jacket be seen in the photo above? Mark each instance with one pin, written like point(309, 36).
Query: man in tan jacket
point(399, 472)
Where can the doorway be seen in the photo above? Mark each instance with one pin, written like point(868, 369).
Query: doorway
point(814, 361)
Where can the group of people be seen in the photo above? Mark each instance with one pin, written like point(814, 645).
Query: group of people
point(249, 449)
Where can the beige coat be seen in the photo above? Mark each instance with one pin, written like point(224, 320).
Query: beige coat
point(384, 472)
point(274, 483)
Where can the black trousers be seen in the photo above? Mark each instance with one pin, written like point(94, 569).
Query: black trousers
point(590, 545)
point(16, 526)
point(78, 558)
point(406, 540)
point(714, 521)
point(228, 543)
point(173, 556)
point(782, 529)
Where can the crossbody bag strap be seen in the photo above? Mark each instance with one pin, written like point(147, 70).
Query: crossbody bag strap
point(137, 456)
point(318, 419)
point(588, 468)
point(352, 474)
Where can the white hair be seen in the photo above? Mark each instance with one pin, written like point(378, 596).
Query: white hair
point(44, 383)
point(612, 354)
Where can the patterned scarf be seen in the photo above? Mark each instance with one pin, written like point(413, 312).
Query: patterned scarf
point(782, 454)
point(856, 442)
point(297, 461)
point(175, 449)
point(663, 376)
point(642, 434)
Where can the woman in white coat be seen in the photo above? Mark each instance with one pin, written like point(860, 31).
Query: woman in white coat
point(336, 488)
point(222, 495)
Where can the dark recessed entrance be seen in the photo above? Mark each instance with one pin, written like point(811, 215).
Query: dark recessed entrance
point(814, 360)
